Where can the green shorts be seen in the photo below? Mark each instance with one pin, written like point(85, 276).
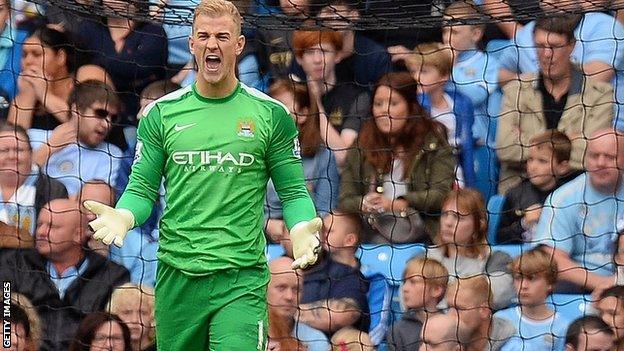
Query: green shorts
point(226, 310)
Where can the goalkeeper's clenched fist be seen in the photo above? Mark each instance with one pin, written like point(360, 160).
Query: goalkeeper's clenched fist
point(111, 225)
point(304, 237)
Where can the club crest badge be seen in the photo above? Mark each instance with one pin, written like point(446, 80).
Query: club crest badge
point(246, 128)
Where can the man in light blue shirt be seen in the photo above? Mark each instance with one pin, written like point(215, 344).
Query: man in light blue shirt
point(283, 295)
point(75, 152)
point(580, 221)
point(599, 51)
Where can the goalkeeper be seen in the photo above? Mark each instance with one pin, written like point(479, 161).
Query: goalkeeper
point(216, 143)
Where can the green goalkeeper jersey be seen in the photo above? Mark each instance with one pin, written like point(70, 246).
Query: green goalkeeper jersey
point(216, 156)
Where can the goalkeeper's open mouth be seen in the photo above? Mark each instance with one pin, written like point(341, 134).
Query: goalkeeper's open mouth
point(213, 63)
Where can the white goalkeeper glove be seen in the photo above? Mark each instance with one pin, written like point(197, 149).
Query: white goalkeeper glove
point(306, 244)
point(111, 225)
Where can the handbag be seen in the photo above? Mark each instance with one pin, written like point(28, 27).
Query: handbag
point(396, 228)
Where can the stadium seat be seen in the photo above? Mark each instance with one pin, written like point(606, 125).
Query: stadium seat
point(388, 260)
point(494, 209)
point(486, 171)
point(274, 251)
point(571, 306)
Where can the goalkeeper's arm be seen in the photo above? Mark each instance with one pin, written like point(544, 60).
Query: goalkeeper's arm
point(286, 171)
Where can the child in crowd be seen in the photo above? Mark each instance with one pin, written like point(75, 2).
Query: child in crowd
point(463, 248)
point(75, 152)
point(547, 169)
point(424, 286)
point(431, 67)
point(470, 301)
point(538, 326)
point(474, 72)
point(475, 75)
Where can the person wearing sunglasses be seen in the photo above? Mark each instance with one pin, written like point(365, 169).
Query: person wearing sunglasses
point(75, 152)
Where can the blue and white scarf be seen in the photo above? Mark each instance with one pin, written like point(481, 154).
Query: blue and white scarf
point(19, 210)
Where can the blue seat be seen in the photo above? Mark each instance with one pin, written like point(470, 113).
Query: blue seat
point(273, 251)
point(388, 260)
point(486, 170)
point(494, 209)
point(571, 306)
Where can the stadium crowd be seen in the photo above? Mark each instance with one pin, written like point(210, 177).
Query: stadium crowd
point(487, 147)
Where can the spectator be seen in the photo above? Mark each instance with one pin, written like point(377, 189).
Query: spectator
point(469, 301)
point(560, 96)
point(440, 334)
point(547, 169)
point(64, 281)
point(589, 333)
point(431, 67)
point(579, 222)
point(11, 43)
point(76, 152)
point(597, 48)
point(403, 161)
point(474, 72)
point(361, 59)
point(342, 104)
point(45, 81)
point(463, 249)
point(341, 240)
point(101, 331)
point(538, 327)
point(335, 292)
point(23, 188)
point(285, 326)
point(610, 305)
point(350, 339)
point(424, 286)
point(275, 44)
point(25, 324)
point(137, 255)
point(134, 53)
point(319, 163)
point(134, 304)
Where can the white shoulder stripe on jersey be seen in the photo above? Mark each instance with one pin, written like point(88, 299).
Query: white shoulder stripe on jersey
point(262, 96)
point(171, 96)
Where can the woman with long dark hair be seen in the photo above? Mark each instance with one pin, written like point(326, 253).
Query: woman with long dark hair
point(403, 162)
point(45, 82)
